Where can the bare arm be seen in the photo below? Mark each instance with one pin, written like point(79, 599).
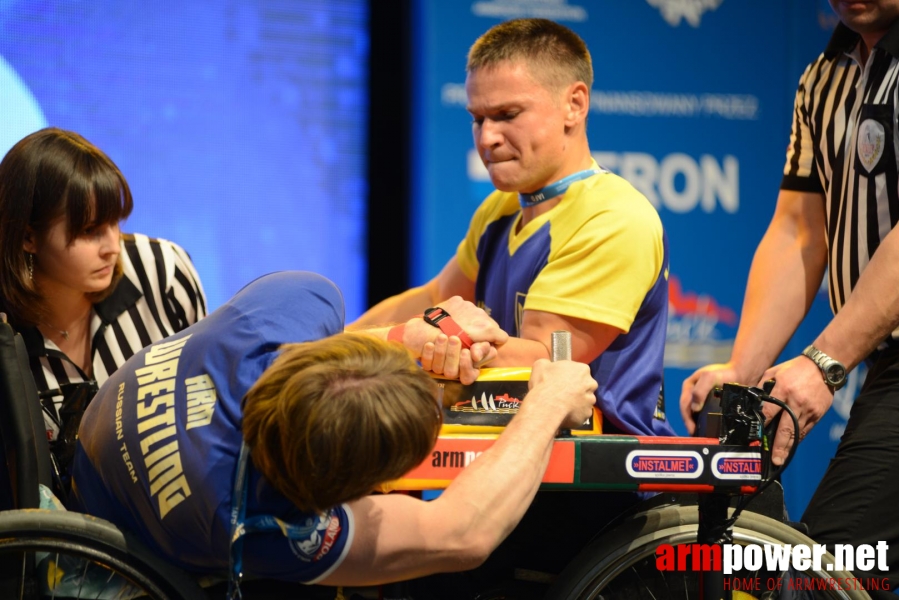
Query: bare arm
point(588, 339)
point(872, 311)
point(397, 309)
point(870, 314)
point(786, 271)
point(398, 537)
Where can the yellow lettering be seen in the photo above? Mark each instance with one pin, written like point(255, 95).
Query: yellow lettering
point(157, 372)
point(172, 495)
point(200, 401)
point(166, 418)
point(164, 471)
point(161, 352)
point(199, 383)
point(154, 389)
point(155, 437)
point(156, 455)
point(145, 410)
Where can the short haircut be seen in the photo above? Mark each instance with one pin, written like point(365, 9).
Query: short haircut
point(556, 56)
point(49, 174)
point(331, 420)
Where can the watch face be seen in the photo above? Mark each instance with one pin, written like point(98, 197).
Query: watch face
point(836, 374)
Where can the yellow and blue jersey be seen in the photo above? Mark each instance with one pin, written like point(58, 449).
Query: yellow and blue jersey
point(601, 255)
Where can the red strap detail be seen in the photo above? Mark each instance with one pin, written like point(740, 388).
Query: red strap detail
point(442, 319)
point(396, 333)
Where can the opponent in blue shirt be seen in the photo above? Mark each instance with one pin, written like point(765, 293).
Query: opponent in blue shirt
point(323, 418)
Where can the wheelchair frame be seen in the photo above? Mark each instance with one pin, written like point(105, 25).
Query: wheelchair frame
point(25, 528)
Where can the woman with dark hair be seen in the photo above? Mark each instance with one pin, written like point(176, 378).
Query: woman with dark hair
point(84, 296)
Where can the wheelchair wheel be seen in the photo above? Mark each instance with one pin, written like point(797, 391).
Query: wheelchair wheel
point(57, 554)
point(621, 564)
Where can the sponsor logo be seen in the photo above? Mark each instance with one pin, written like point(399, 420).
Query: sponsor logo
point(556, 10)
point(664, 464)
point(453, 459)
point(870, 143)
point(729, 559)
point(645, 103)
point(737, 465)
point(696, 324)
point(307, 546)
point(677, 182)
point(502, 404)
point(674, 11)
point(331, 535)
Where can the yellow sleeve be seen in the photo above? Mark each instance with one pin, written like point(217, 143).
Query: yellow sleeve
point(603, 262)
point(496, 205)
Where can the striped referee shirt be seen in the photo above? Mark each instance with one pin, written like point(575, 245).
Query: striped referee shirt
point(159, 295)
point(844, 144)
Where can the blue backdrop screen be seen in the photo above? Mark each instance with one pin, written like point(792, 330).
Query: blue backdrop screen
point(239, 125)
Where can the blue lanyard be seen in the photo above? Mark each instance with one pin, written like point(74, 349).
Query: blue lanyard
point(240, 525)
point(555, 189)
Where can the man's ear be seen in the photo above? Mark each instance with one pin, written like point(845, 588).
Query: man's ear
point(28, 242)
point(578, 99)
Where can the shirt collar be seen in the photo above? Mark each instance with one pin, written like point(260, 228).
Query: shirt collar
point(844, 40)
point(125, 295)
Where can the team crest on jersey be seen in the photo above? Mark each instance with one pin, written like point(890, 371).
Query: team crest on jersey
point(318, 536)
point(519, 311)
point(871, 140)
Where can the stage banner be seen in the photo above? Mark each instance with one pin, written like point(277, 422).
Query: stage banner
point(240, 126)
point(691, 103)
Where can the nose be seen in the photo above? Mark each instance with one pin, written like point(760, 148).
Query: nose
point(488, 134)
point(110, 239)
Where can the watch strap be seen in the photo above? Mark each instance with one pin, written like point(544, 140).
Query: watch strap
point(438, 317)
point(824, 362)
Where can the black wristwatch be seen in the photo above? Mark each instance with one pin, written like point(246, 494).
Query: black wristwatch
point(833, 370)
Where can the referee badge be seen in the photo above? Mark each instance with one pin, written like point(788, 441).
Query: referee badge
point(871, 140)
point(874, 142)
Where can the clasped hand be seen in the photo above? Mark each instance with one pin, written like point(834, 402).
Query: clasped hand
point(444, 355)
point(798, 383)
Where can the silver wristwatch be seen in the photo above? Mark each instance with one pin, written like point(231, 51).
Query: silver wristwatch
point(833, 370)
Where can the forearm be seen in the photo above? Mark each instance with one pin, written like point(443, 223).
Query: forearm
point(872, 311)
point(785, 275)
point(399, 308)
point(485, 502)
point(514, 468)
point(519, 352)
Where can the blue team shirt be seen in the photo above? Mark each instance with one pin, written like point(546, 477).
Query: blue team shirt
point(158, 445)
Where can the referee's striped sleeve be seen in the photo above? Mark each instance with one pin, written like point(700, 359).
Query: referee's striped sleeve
point(800, 171)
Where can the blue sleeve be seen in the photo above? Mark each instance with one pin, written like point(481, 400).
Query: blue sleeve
point(326, 542)
point(292, 306)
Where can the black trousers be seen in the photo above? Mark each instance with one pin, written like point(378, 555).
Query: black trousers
point(857, 500)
